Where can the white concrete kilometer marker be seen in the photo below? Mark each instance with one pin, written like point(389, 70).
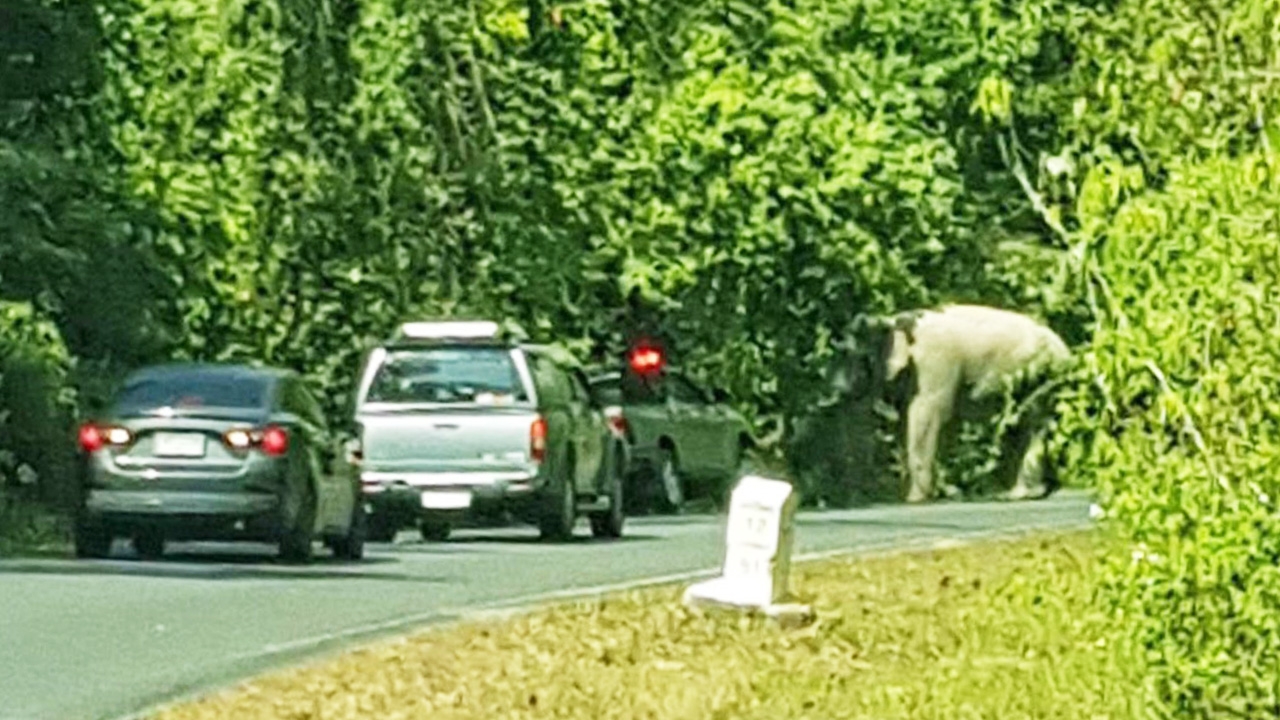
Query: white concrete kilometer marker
point(757, 560)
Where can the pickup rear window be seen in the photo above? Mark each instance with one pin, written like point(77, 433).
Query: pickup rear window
point(447, 375)
point(607, 391)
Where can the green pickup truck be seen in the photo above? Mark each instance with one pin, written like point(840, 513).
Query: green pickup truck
point(686, 442)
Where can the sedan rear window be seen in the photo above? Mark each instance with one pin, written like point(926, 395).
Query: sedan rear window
point(193, 390)
point(447, 375)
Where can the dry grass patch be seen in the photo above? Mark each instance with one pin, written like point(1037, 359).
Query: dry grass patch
point(995, 630)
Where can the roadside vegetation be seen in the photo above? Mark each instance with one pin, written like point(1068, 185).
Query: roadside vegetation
point(284, 180)
point(993, 630)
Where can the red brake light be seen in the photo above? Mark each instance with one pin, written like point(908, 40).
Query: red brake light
point(538, 439)
point(95, 437)
point(91, 439)
point(645, 360)
point(618, 422)
point(275, 441)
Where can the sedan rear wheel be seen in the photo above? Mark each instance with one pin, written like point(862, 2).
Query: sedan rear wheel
point(149, 544)
point(299, 526)
point(91, 539)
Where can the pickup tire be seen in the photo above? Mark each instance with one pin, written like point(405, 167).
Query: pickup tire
point(559, 512)
point(382, 527)
point(434, 529)
point(669, 486)
point(608, 524)
point(351, 545)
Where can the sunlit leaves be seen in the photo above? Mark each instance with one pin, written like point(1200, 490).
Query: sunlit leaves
point(1181, 458)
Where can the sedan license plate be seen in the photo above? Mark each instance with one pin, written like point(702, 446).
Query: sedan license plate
point(446, 500)
point(179, 445)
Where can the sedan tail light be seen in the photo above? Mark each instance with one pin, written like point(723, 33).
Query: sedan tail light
point(538, 439)
point(272, 440)
point(275, 441)
point(93, 437)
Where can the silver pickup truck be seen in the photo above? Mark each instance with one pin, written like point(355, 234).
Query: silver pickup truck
point(459, 423)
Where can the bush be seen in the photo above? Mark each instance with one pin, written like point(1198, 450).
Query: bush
point(351, 165)
point(1184, 427)
point(36, 410)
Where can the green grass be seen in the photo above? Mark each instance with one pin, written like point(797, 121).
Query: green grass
point(995, 630)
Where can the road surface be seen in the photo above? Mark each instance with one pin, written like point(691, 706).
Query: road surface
point(82, 640)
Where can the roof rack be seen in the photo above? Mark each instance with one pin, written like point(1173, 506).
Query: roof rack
point(455, 330)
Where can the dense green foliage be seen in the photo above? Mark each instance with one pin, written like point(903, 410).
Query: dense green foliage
point(284, 180)
point(317, 171)
point(1177, 211)
point(1190, 365)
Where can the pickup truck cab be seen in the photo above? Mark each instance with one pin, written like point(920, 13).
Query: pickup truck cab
point(461, 423)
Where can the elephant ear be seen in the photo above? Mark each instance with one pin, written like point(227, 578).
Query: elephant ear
point(897, 354)
point(900, 337)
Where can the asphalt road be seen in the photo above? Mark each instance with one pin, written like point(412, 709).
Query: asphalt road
point(82, 640)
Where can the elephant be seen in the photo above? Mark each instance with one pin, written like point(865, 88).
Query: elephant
point(933, 367)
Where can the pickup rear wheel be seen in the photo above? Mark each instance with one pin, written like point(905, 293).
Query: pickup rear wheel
point(560, 510)
point(670, 486)
point(608, 524)
point(382, 526)
point(351, 545)
point(434, 529)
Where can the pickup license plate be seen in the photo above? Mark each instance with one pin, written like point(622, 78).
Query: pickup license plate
point(446, 500)
point(190, 445)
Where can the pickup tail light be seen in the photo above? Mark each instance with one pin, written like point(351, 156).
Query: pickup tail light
point(538, 439)
point(273, 440)
point(355, 452)
point(93, 437)
point(618, 422)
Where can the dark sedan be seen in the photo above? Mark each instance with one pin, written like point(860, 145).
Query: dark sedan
point(216, 452)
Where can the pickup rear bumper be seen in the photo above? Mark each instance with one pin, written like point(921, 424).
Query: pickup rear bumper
point(457, 496)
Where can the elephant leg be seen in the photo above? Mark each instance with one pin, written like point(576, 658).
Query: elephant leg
point(926, 416)
point(948, 440)
point(1022, 460)
point(1031, 472)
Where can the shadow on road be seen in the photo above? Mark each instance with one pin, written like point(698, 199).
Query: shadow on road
point(682, 519)
point(219, 566)
point(891, 523)
point(459, 544)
